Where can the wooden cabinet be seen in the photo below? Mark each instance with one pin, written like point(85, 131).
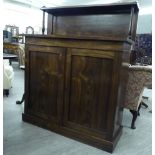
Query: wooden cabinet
point(75, 77)
point(76, 91)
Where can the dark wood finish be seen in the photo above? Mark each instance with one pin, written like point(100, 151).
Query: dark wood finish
point(78, 42)
point(139, 109)
point(100, 20)
point(88, 79)
point(22, 100)
point(135, 114)
point(89, 100)
point(93, 25)
point(98, 142)
point(6, 92)
point(46, 81)
point(75, 79)
point(23, 97)
point(92, 9)
point(43, 23)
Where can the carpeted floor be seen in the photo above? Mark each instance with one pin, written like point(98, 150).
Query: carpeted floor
point(21, 138)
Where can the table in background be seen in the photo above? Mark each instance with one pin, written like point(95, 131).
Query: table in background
point(17, 49)
point(10, 57)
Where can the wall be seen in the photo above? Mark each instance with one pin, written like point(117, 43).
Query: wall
point(144, 24)
point(22, 17)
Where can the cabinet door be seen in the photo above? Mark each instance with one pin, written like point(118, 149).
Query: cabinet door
point(45, 81)
point(88, 90)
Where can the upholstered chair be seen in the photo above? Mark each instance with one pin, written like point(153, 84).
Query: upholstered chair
point(139, 77)
point(8, 76)
point(21, 54)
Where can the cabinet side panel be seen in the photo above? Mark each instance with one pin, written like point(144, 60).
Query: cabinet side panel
point(123, 60)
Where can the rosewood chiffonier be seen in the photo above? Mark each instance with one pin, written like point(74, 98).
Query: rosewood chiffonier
point(75, 75)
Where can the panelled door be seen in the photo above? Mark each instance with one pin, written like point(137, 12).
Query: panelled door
point(88, 90)
point(45, 85)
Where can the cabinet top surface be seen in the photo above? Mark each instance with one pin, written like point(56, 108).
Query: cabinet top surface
point(129, 41)
point(92, 9)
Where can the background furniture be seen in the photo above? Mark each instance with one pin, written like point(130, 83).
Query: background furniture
point(143, 49)
point(10, 57)
point(8, 76)
point(29, 30)
point(23, 97)
point(14, 30)
point(21, 54)
point(11, 48)
point(74, 78)
point(138, 78)
point(15, 49)
point(7, 36)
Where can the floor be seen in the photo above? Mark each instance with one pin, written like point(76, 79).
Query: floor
point(21, 138)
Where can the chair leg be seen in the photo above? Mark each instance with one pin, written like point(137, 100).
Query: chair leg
point(144, 104)
point(6, 92)
point(135, 114)
point(150, 111)
point(139, 109)
point(145, 97)
point(22, 100)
